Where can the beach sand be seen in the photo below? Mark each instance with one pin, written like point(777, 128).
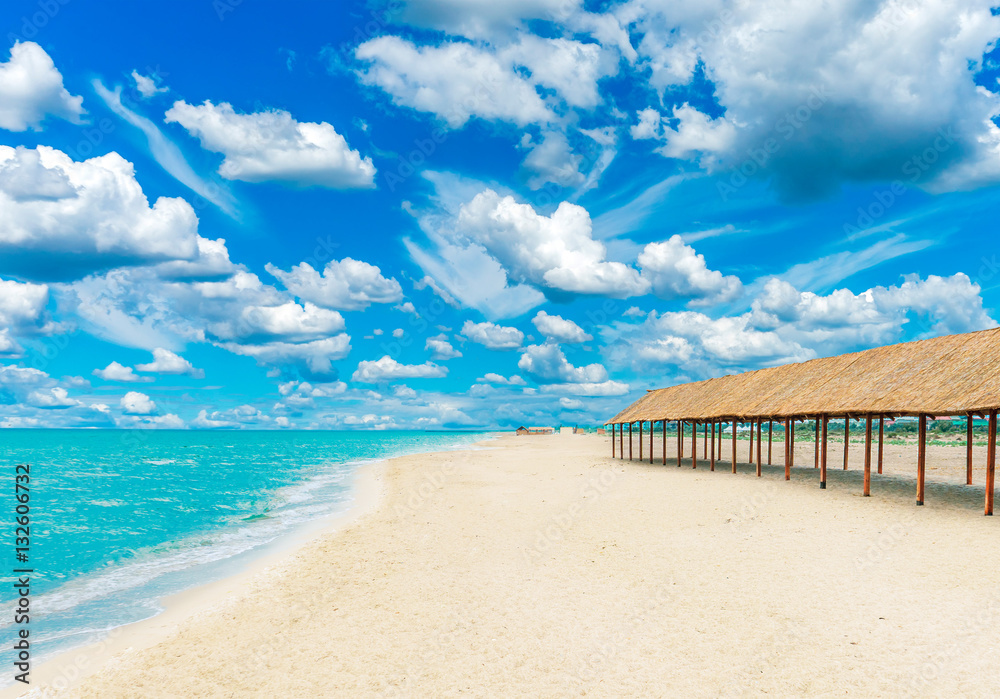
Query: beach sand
point(541, 567)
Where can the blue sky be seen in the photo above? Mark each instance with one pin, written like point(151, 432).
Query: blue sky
point(470, 214)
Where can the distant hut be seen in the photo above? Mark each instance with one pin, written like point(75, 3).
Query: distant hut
point(541, 430)
point(522, 430)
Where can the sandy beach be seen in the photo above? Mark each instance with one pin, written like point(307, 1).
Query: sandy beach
point(541, 567)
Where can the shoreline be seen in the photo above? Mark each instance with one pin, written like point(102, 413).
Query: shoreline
point(66, 669)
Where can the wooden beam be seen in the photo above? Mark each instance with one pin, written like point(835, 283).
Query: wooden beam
point(640, 440)
point(650, 441)
point(664, 441)
point(621, 441)
point(868, 456)
point(816, 446)
point(760, 424)
point(680, 434)
point(791, 444)
point(770, 431)
point(968, 451)
point(847, 438)
point(734, 445)
point(921, 457)
point(613, 435)
point(712, 466)
point(991, 462)
point(694, 445)
point(788, 463)
point(704, 444)
point(750, 448)
point(630, 441)
point(822, 456)
point(881, 429)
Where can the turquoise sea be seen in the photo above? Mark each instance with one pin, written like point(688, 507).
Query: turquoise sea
point(122, 518)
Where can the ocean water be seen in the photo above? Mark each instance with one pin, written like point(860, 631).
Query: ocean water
point(122, 518)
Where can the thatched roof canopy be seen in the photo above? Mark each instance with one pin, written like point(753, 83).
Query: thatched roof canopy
point(950, 375)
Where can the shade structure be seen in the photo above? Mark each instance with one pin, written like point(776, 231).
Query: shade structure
point(949, 375)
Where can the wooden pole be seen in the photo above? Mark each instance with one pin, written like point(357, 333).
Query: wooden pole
point(640, 440)
point(921, 458)
point(650, 441)
point(788, 463)
point(770, 431)
point(822, 456)
point(991, 462)
point(712, 466)
point(680, 434)
point(750, 448)
point(664, 441)
point(791, 444)
point(816, 447)
point(704, 441)
point(630, 441)
point(760, 424)
point(968, 450)
point(847, 438)
point(868, 456)
point(621, 441)
point(613, 435)
point(694, 445)
point(734, 445)
point(881, 431)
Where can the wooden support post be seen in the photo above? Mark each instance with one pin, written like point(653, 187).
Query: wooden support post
point(750, 447)
point(847, 438)
point(664, 441)
point(613, 435)
point(868, 456)
point(734, 445)
point(816, 447)
point(770, 431)
point(650, 441)
point(621, 440)
point(712, 466)
point(680, 434)
point(630, 441)
point(822, 455)
point(760, 424)
point(788, 462)
point(640, 440)
point(881, 432)
point(791, 444)
point(921, 457)
point(968, 450)
point(704, 441)
point(991, 462)
point(694, 445)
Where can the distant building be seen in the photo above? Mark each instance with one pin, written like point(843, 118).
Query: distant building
point(541, 430)
point(522, 430)
point(601, 431)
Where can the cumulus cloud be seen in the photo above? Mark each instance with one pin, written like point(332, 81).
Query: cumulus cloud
point(548, 364)
point(23, 308)
point(454, 81)
point(493, 336)
point(880, 84)
point(117, 372)
point(31, 89)
point(674, 270)
point(135, 403)
point(272, 146)
point(313, 359)
point(347, 285)
point(146, 86)
point(65, 219)
point(441, 348)
point(166, 362)
point(553, 252)
point(559, 329)
point(55, 398)
point(388, 369)
point(491, 377)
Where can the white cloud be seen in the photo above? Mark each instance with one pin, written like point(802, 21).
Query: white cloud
point(117, 372)
point(491, 377)
point(312, 358)
point(204, 422)
point(146, 86)
point(428, 282)
point(166, 362)
point(441, 348)
point(480, 18)
point(559, 329)
point(675, 270)
point(555, 252)
point(348, 285)
point(272, 146)
point(388, 369)
point(52, 398)
point(548, 364)
point(23, 308)
point(398, 333)
point(648, 125)
point(31, 89)
point(493, 336)
point(571, 68)
point(454, 81)
point(407, 307)
point(135, 403)
point(599, 389)
point(151, 422)
point(64, 219)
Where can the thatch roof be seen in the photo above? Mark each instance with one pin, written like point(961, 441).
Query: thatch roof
point(950, 375)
